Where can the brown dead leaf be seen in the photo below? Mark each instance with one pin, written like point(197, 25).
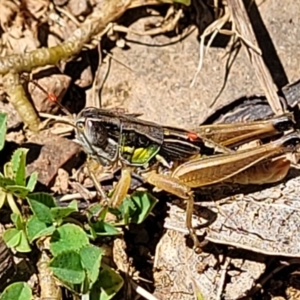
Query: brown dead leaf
point(15, 136)
point(61, 183)
point(37, 8)
point(20, 41)
point(8, 11)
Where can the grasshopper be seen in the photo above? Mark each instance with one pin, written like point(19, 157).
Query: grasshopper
point(178, 160)
point(107, 136)
point(171, 159)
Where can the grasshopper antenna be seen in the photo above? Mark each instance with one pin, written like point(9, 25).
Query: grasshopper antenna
point(51, 97)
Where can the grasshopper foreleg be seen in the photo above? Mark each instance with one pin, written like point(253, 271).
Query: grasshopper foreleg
point(121, 188)
point(97, 185)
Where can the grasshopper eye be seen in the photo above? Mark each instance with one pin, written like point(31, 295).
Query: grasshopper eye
point(80, 126)
point(96, 133)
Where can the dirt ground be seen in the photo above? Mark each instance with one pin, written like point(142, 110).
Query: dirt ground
point(159, 85)
point(152, 76)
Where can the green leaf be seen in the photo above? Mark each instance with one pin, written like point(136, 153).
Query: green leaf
point(18, 162)
point(8, 171)
point(36, 229)
point(143, 202)
point(59, 213)
point(127, 209)
point(17, 220)
point(17, 239)
point(12, 204)
point(95, 209)
point(108, 284)
point(12, 237)
point(74, 205)
point(32, 181)
point(102, 228)
point(67, 267)
point(23, 245)
point(91, 260)
point(3, 119)
point(4, 182)
point(2, 198)
point(93, 234)
point(17, 291)
point(18, 191)
point(68, 237)
point(41, 204)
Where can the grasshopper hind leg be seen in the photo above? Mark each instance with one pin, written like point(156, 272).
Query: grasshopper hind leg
point(188, 222)
point(178, 188)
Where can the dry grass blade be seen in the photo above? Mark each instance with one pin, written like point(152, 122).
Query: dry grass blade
point(243, 25)
point(213, 29)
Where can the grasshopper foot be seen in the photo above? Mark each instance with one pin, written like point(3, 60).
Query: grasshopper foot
point(198, 245)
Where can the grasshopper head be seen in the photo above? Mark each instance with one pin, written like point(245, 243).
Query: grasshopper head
point(92, 134)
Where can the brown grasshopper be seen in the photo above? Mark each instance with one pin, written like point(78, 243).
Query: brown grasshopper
point(179, 160)
point(171, 159)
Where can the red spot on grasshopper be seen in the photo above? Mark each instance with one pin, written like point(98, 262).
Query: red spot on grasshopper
point(192, 136)
point(52, 97)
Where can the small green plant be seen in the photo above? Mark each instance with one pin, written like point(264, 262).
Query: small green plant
point(17, 291)
point(133, 210)
point(3, 118)
point(13, 180)
point(13, 188)
point(76, 262)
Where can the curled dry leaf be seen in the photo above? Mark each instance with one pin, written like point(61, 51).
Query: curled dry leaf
point(61, 183)
point(37, 8)
point(20, 40)
point(8, 11)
